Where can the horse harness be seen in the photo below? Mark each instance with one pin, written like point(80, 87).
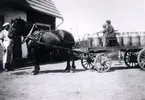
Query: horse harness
point(37, 35)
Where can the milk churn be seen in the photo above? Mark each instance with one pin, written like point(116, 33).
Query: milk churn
point(80, 41)
point(84, 42)
point(135, 39)
point(119, 38)
point(96, 40)
point(126, 39)
point(89, 40)
point(142, 38)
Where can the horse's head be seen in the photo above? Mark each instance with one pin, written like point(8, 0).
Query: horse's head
point(17, 28)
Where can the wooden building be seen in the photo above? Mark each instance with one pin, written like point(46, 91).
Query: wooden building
point(42, 11)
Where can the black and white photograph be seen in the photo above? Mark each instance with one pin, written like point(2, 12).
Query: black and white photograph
point(72, 49)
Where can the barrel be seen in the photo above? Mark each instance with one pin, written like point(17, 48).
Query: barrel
point(119, 39)
point(135, 39)
point(142, 38)
point(89, 42)
point(96, 41)
point(126, 39)
point(85, 43)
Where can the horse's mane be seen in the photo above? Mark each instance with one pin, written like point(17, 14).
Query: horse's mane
point(18, 24)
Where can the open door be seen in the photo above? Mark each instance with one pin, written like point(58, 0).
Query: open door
point(1, 50)
point(1, 21)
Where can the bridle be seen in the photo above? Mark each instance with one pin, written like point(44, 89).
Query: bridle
point(25, 37)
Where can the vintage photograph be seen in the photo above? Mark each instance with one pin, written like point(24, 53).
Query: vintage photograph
point(72, 49)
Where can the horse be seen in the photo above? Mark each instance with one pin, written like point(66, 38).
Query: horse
point(51, 38)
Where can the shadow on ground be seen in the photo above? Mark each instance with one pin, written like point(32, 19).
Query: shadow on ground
point(47, 71)
point(76, 71)
point(122, 68)
point(60, 71)
point(30, 65)
point(21, 71)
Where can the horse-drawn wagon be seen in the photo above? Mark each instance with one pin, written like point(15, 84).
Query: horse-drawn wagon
point(93, 58)
point(98, 58)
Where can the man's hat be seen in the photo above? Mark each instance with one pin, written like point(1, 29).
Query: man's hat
point(108, 21)
point(5, 24)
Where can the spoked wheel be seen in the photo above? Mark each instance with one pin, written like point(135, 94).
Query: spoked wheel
point(130, 58)
point(141, 59)
point(102, 62)
point(87, 61)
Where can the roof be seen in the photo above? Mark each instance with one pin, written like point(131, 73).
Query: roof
point(44, 6)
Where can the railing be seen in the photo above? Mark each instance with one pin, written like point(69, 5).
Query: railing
point(43, 25)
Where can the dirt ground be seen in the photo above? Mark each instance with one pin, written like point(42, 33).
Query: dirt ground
point(121, 83)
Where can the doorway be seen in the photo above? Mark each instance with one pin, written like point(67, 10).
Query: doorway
point(1, 22)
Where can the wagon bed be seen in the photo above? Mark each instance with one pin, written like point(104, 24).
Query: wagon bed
point(122, 48)
point(99, 58)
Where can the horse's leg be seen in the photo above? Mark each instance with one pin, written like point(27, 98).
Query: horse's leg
point(73, 65)
point(119, 56)
point(67, 69)
point(35, 62)
point(73, 62)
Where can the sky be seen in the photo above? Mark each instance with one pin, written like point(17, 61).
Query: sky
point(87, 16)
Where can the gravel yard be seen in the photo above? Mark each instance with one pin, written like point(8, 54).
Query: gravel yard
point(120, 83)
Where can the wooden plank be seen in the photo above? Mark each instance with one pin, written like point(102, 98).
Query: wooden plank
point(46, 6)
point(97, 49)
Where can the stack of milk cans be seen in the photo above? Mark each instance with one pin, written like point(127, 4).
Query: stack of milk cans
point(123, 39)
point(131, 38)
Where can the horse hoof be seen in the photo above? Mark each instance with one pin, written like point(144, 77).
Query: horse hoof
point(34, 73)
point(73, 67)
point(72, 71)
point(67, 71)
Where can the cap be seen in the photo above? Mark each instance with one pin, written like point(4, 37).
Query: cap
point(5, 24)
point(104, 25)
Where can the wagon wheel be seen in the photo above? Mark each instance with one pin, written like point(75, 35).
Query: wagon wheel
point(130, 58)
point(87, 61)
point(141, 59)
point(102, 62)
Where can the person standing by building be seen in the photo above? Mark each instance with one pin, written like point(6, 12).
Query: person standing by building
point(5, 43)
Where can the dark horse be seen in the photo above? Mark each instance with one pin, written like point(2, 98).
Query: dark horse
point(60, 38)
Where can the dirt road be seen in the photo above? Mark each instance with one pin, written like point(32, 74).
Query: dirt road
point(52, 83)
